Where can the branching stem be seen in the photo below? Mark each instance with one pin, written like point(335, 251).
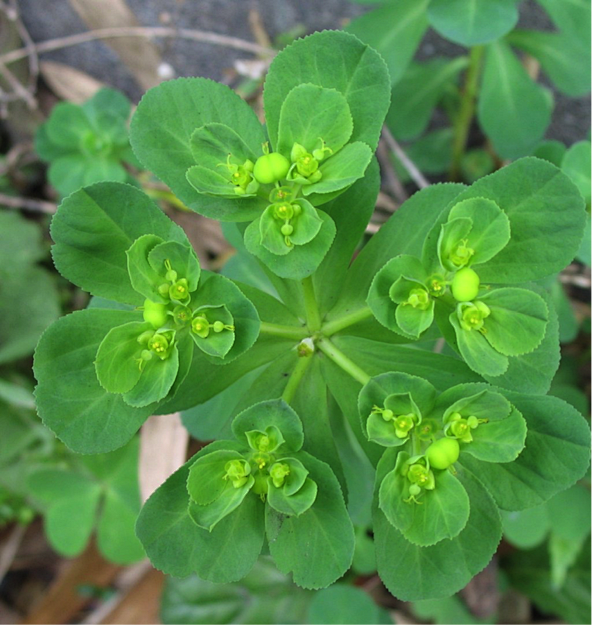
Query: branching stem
point(467, 110)
point(285, 332)
point(350, 319)
point(313, 318)
point(342, 361)
point(296, 378)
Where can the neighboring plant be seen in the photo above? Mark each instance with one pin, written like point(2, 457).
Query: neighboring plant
point(319, 373)
point(28, 294)
point(513, 109)
point(87, 143)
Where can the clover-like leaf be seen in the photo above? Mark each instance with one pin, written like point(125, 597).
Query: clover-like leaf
point(329, 552)
point(274, 412)
point(212, 330)
point(440, 512)
point(517, 321)
point(206, 475)
point(209, 515)
point(399, 296)
point(219, 294)
point(302, 260)
point(419, 394)
point(312, 114)
point(291, 491)
point(157, 379)
point(118, 357)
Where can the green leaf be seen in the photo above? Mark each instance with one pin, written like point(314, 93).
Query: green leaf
point(182, 258)
point(67, 124)
point(342, 604)
point(103, 494)
point(110, 101)
point(295, 504)
point(311, 114)
point(312, 408)
point(552, 151)
point(556, 454)
point(394, 30)
point(526, 528)
point(470, 22)
point(477, 351)
point(29, 303)
point(317, 546)
point(157, 379)
point(439, 513)
point(70, 400)
point(263, 596)
point(22, 244)
point(333, 60)
point(117, 361)
point(216, 344)
point(576, 164)
point(533, 372)
point(305, 226)
point(302, 260)
point(548, 209)
point(571, 17)
point(529, 572)
point(402, 233)
point(490, 227)
point(517, 321)
point(177, 546)
point(217, 291)
point(162, 141)
point(447, 610)
point(73, 502)
point(392, 314)
point(340, 171)
point(416, 94)
point(208, 516)
point(378, 390)
point(93, 229)
point(212, 144)
point(411, 572)
point(142, 275)
point(513, 110)
point(563, 57)
point(272, 412)
point(206, 476)
point(351, 213)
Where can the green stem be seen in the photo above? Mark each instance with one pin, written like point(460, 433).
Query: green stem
point(167, 196)
point(313, 318)
point(416, 446)
point(467, 110)
point(285, 332)
point(350, 319)
point(341, 360)
point(296, 378)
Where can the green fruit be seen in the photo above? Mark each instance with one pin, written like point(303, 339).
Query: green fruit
point(270, 168)
point(155, 314)
point(465, 285)
point(442, 453)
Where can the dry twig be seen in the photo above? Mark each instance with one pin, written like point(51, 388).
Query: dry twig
point(138, 31)
point(10, 548)
point(30, 204)
point(407, 163)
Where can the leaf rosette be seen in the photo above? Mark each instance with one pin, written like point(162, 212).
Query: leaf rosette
point(140, 354)
point(231, 486)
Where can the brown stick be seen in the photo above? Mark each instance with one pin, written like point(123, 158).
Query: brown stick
point(407, 163)
point(138, 31)
point(22, 202)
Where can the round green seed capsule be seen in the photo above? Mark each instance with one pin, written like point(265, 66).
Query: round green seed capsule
point(270, 168)
point(155, 314)
point(443, 452)
point(287, 230)
point(465, 285)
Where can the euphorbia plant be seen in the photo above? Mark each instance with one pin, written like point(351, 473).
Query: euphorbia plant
point(345, 395)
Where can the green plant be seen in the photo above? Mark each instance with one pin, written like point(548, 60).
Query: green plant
point(309, 365)
point(513, 110)
point(87, 143)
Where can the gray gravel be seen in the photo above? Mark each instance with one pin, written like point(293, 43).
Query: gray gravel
point(571, 119)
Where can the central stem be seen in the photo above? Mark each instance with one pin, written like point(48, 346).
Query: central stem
point(342, 361)
point(467, 110)
point(296, 378)
point(349, 319)
point(313, 318)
